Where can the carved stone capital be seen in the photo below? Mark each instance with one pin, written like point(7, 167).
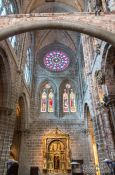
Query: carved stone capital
point(100, 77)
point(98, 48)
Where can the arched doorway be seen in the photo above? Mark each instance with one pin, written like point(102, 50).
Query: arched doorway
point(92, 142)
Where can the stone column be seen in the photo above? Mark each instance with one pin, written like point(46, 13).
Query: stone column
point(110, 103)
point(104, 4)
point(6, 133)
point(102, 152)
point(108, 133)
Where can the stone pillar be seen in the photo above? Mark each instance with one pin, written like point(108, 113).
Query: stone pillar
point(101, 142)
point(110, 103)
point(6, 133)
point(104, 4)
point(108, 133)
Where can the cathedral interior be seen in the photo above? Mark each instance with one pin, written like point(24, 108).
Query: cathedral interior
point(57, 87)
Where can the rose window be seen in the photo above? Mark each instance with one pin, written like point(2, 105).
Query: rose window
point(56, 61)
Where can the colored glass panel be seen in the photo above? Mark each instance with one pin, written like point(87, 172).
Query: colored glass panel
point(7, 7)
point(65, 101)
point(56, 61)
point(28, 67)
point(72, 102)
point(69, 102)
point(44, 101)
point(51, 101)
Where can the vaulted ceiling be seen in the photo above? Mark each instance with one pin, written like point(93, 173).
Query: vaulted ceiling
point(47, 37)
point(31, 5)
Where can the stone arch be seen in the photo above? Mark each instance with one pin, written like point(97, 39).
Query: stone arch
point(60, 24)
point(20, 126)
point(93, 156)
point(108, 68)
point(5, 106)
point(5, 79)
point(104, 55)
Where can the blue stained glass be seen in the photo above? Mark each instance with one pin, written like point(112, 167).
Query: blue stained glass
point(56, 61)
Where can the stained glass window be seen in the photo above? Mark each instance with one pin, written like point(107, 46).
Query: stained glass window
point(72, 101)
point(69, 102)
point(7, 7)
point(44, 101)
point(56, 60)
point(13, 41)
point(65, 101)
point(47, 99)
point(28, 66)
point(50, 101)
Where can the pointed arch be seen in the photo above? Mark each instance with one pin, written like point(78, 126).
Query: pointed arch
point(67, 96)
point(5, 79)
point(21, 125)
point(47, 96)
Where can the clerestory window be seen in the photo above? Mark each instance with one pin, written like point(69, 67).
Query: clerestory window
point(69, 100)
point(47, 99)
point(28, 67)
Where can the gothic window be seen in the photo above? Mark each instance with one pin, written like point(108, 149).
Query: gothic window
point(50, 101)
point(13, 41)
point(69, 101)
point(28, 66)
point(47, 99)
point(44, 101)
point(56, 61)
point(7, 7)
point(65, 101)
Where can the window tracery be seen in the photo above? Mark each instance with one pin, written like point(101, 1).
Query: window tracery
point(69, 101)
point(47, 99)
point(56, 60)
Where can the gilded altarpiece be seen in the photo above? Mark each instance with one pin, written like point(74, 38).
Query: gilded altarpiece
point(56, 152)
